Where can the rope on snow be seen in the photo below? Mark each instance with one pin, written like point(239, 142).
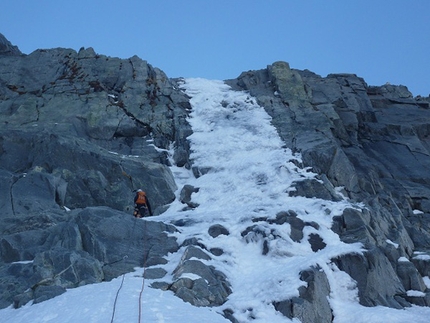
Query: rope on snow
point(122, 281)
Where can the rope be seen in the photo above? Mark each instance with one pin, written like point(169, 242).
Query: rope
point(115, 261)
point(126, 256)
point(140, 295)
point(116, 298)
point(143, 278)
point(123, 275)
point(127, 175)
point(49, 279)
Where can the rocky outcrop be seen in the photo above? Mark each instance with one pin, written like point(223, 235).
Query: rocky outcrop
point(97, 126)
point(373, 142)
point(81, 131)
point(6, 48)
point(312, 304)
point(42, 255)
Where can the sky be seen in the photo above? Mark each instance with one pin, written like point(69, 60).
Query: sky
point(251, 173)
point(381, 41)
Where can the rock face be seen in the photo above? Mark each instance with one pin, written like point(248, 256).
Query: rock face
point(80, 131)
point(373, 142)
point(6, 48)
point(41, 255)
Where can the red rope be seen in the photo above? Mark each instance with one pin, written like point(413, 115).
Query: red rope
point(116, 298)
point(143, 280)
point(140, 295)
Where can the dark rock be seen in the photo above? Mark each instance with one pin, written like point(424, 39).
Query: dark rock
point(410, 277)
point(154, 273)
point(254, 233)
point(229, 315)
point(401, 299)
point(6, 48)
point(317, 243)
point(312, 305)
point(47, 276)
point(296, 224)
point(61, 182)
point(155, 260)
point(43, 293)
point(376, 279)
point(22, 299)
point(160, 285)
point(422, 263)
point(258, 233)
point(65, 268)
point(44, 235)
point(122, 242)
point(265, 247)
point(194, 252)
point(15, 285)
point(189, 295)
point(183, 283)
point(217, 229)
point(199, 171)
point(22, 245)
point(211, 289)
point(185, 195)
point(314, 188)
point(183, 222)
point(216, 251)
point(95, 244)
point(100, 144)
point(419, 300)
point(285, 307)
point(193, 242)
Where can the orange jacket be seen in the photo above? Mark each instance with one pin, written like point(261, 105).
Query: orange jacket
point(140, 198)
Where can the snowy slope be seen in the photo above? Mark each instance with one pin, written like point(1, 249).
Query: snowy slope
point(250, 176)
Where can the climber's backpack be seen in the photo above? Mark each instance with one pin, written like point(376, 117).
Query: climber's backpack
point(141, 198)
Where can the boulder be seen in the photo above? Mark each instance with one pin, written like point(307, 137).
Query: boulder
point(208, 287)
point(312, 305)
point(409, 276)
point(198, 283)
point(185, 195)
point(376, 279)
point(296, 224)
point(218, 229)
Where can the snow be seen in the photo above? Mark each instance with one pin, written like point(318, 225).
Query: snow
point(24, 262)
point(403, 259)
point(94, 303)
point(422, 256)
point(415, 293)
point(248, 174)
point(396, 245)
point(426, 280)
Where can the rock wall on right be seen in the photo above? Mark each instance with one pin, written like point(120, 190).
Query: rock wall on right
point(372, 144)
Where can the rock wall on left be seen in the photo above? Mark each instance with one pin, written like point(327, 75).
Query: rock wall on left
point(79, 133)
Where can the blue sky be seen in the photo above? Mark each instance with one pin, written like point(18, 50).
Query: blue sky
point(381, 41)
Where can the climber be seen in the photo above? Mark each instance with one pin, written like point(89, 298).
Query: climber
point(142, 208)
